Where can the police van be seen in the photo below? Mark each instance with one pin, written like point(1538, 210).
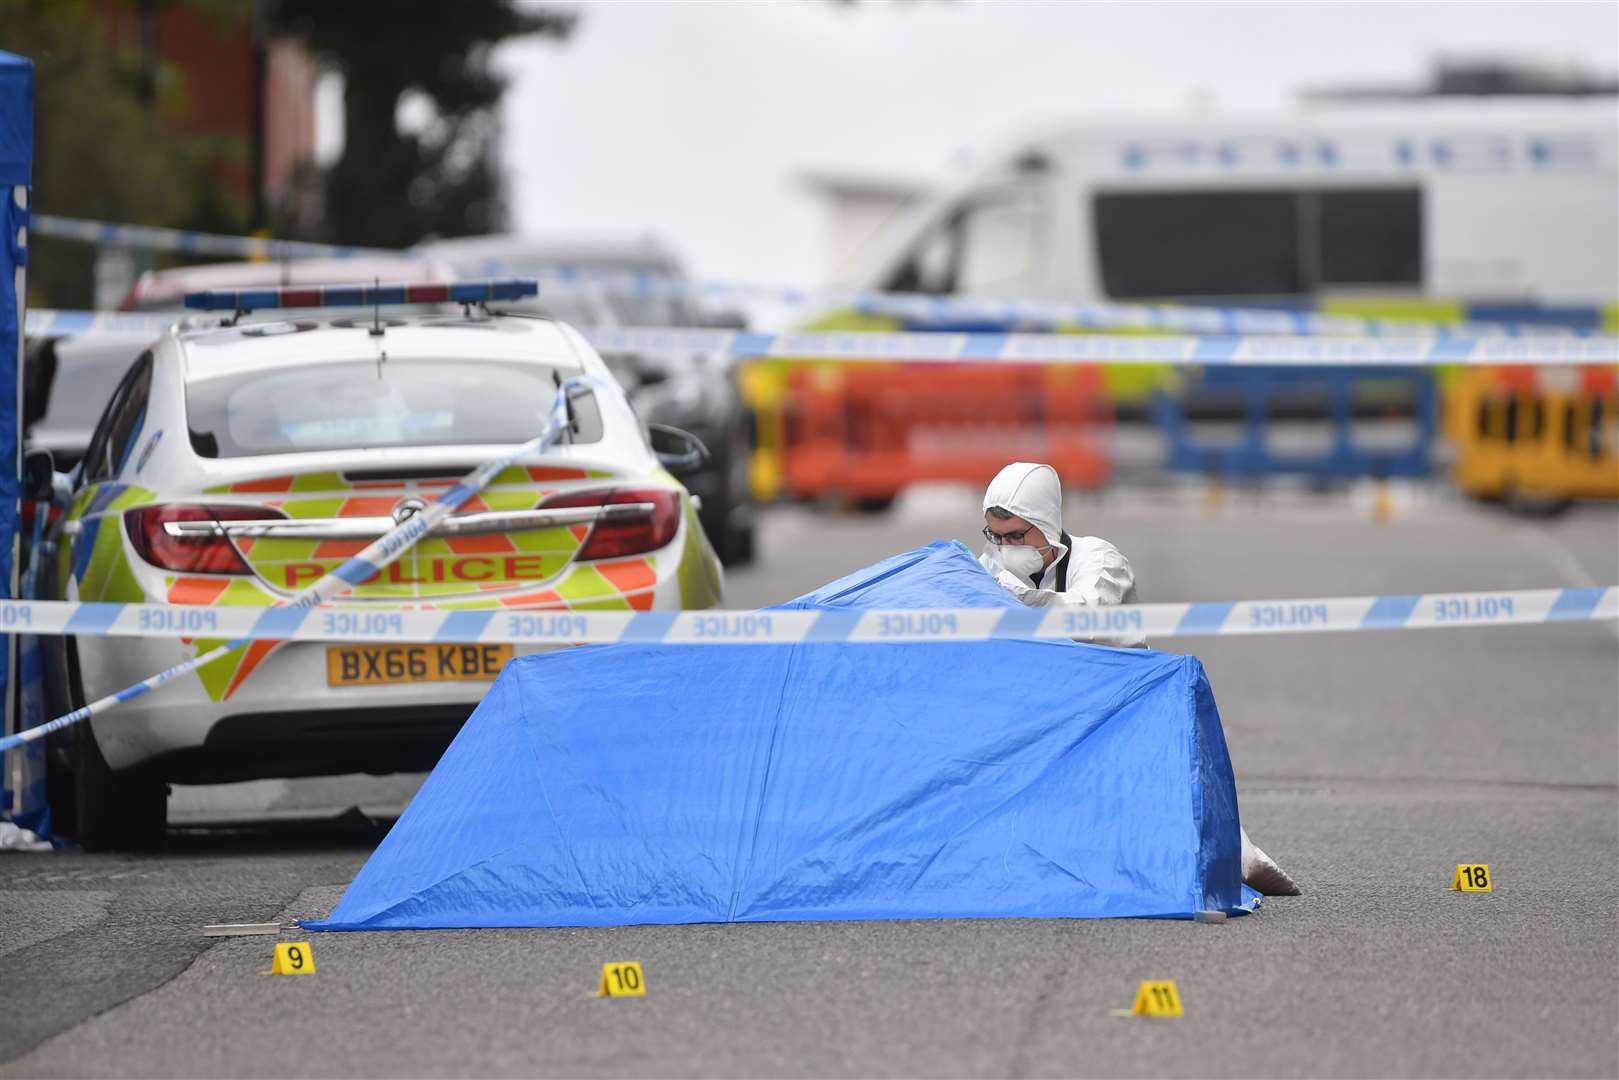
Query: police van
point(1436, 208)
point(1481, 208)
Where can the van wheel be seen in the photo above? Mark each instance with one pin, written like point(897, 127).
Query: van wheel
point(123, 810)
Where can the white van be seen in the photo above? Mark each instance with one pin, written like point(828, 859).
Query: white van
point(1493, 204)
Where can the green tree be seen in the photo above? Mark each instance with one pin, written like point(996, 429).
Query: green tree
point(100, 151)
point(391, 188)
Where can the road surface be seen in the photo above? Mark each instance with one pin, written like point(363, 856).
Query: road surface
point(1368, 764)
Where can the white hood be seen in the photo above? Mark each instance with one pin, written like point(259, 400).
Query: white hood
point(1032, 492)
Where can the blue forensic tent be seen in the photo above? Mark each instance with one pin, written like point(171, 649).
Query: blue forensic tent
point(632, 783)
point(22, 774)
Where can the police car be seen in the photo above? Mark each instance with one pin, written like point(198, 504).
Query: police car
point(239, 461)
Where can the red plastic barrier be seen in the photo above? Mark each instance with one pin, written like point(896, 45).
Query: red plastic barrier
point(867, 432)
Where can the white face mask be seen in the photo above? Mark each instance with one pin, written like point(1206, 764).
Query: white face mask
point(1023, 561)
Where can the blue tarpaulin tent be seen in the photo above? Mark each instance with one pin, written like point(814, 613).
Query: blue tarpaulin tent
point(630, 783)
point(16, 175)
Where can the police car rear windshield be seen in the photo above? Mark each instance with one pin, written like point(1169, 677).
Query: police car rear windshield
point(367, 404)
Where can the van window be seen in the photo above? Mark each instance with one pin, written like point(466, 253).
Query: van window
point(1269, 242)
point(987, 248)
point(998, 238)
point(1371, 236)
point(1198, 243)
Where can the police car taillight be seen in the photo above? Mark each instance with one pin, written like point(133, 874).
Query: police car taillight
point(196, 551)
point(623, 531)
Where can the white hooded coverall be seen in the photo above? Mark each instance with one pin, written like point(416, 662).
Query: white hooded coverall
point(1087, 572)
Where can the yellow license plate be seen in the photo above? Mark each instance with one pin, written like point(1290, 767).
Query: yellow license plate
point(379, 665)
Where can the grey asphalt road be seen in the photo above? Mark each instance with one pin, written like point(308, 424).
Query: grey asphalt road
point(1368, 764)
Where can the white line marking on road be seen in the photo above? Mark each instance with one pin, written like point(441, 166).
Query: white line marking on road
point(1540, 538)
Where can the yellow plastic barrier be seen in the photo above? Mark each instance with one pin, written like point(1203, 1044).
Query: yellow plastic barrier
point(1547, 434)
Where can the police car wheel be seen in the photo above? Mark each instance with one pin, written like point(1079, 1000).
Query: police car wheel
point(116, 811)
point(112, 810)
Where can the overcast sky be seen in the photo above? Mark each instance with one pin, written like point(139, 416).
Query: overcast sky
point(696, 120)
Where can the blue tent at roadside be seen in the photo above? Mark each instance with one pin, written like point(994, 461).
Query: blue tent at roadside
point(24, 770)
point(620, 784)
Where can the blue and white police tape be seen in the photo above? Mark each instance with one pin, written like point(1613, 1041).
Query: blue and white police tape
point(367, 564)
point(925, 308)
point(1191, 319)
point(915, 307)
point(155, 238)
point(359, 623)
point(980, 348)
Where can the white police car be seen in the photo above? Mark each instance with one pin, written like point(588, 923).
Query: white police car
point(239, 461)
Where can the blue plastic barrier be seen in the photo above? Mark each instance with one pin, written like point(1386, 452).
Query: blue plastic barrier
point(1259, 392)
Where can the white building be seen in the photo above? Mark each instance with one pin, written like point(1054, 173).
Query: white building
point(854, 207)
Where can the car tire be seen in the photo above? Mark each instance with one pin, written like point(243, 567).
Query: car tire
point(874, 504)
point(733, 543)
point(739, 549)
point(108, 809)
point(125, 810)
point(727, 518)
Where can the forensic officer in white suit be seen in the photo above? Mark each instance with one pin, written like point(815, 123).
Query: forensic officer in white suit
point(1032, 557)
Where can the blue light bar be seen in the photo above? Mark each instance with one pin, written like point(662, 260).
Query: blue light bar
point(346, 296)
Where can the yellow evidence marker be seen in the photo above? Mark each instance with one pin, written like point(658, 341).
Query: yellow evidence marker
point(1472, 877)
point(292, 958)
point(622, 980)
point(1157, 998)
